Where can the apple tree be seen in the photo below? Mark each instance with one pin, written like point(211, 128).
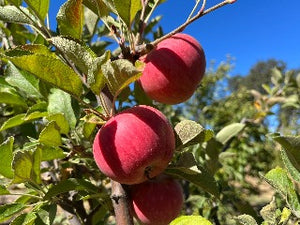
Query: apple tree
point(107, 120)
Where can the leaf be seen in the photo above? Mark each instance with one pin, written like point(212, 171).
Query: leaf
point(70, 19)
point(91, 20)
point(13, 122)
point(12, 14)
point(61, 122)
point(295, 174)
point(9, 210)
point(50, 135)
point(51, 153)
point(268, 212)
point(229, 132)
point(26, 166)
point(190, 220)
point(127, 9)
point(24, 219)
point(9, 96)
point(285, 215)
point(40, 7)
point(82, 56)
point(245, 220)
point(24, 81)
point(201, 178)
point(50, 69)
point(291, 146)
point(70, 185)
point(96, 78)
point(119, 74)
point(61, 102)
point(280, 180)
point(276, 76)
point(6, 155)
point(3, 190)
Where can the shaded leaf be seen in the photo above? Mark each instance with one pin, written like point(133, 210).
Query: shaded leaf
point(200, 178)
point(229, 131)
point(6, 155)
point(3, 190)
point(70, 185)
point(70, 18)
point(190, 220)
point(24, 81)
point(40, 7)
point(51, 153)
point(48, 68)
point(82, 56)
point(24, 219)
point(61, 102)
point(9, 210)
point(96, 78)
point(26, 166)
point(50, 135)
point(245, 220)
point(127, 9)
point(295, 174)
point(119, 74)
point(12, 14)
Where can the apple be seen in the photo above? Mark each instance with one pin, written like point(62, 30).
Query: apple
point(173, 70)
point(157, 201)
point(135, 145)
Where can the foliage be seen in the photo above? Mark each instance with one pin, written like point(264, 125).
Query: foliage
point(58, 87)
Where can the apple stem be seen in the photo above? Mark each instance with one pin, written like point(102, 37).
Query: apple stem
point(120, 202)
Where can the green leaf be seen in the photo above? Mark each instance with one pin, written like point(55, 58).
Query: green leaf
point(229, 132)
point(199, 177)
point(127, 9)
point(81, 55)
point(285, 215)
point(13, 122)
point(70, 185)
point(61, 122)
point(3, 190)
point(26, 166)
point(70, 19)
point(280, 180)
point(100, 7)
point(245, 220)
point(51, 153)
point(190, 220)
point(49, 68)
point(40, 7)
point(24, 81)
point(61, 102)
point(119, 74)
point(12, 14)
point(291, 145)
point(9, 210)
point(9, 95)
point(268, 212)
point(96, 78)
point(295, 174)
point(6, 155)
point(50, 135)
point(24, 219)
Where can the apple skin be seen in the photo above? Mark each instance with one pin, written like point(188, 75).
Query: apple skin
point(173, 69)
point(158, 201)
point(134, 145)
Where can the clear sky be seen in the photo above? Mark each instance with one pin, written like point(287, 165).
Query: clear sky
point(248, 30)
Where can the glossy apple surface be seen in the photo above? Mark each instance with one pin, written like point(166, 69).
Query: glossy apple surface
point(134, 145)
point(157, 202)
point(173, 69)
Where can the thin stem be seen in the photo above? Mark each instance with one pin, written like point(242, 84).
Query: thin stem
point(152, 10)
point(193, 10)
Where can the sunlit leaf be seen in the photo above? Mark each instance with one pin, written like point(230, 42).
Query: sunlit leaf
point(190, 220)
point(245, 220)
point(9, 210)
point(70, 19)
point(268, 212)
point(229, 131)
point(13, 121)
point(6, 155)
point(3, 190)
point(24, 219)
point(60, 102)
point(40, 7)
point(51, 153)
point(127, 9)
point(12, 14)
point(61, 122)
point(50, 135)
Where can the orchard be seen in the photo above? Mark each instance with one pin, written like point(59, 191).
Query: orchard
point(109, 120)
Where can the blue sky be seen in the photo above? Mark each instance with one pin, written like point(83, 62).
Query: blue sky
point(248, 30)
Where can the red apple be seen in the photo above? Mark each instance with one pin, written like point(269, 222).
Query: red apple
point(173, 69)
point(158, 201)
point(134, 145)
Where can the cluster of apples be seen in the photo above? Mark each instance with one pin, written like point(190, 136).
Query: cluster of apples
point(136, 145)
